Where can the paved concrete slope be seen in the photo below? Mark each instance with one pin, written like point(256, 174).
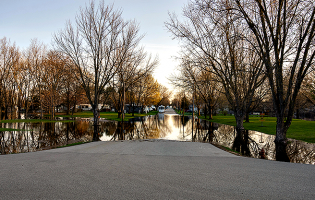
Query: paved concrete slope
point(170, 111)
point(153, 169)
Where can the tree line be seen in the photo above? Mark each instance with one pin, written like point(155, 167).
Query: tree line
point(248, 52)
point(38, 79)
point(97, 59)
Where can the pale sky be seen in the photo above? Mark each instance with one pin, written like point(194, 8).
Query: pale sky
point(23, 20)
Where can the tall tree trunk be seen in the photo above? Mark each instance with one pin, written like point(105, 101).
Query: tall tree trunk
point(1, 102)
point(119, 113)
point(120, 106)
point(281, 141)
point(19, 112)
point(19, 106)
point(1, 108)
point(68, 104)
point(74, 105)
point(95, 119)
point(6, 112)
point(12, 114)
point(67, 132)
point(240, 143)
point(123, 104)
point(239, 122)
point(26, 109)
point(210, 110)
point(297, 113)
point(133, 109)
point(52, 108)
point(95, 124)
point(247, 117)
point(41, 103)
point(206, 111)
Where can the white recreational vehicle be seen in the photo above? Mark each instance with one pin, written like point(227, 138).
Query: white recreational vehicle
point(161, 109)
point(86, 107)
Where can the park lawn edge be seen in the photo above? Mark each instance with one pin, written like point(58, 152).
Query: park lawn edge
point(89, 114)
point(12, 129)
point(299, 130)
point(108, 115)
point(33, 120)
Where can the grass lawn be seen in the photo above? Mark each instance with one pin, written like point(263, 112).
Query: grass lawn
point(107, 115)
point(86, 114)
point(180, 113)
point(32, 120)
point(299, 129)
point(11, 129)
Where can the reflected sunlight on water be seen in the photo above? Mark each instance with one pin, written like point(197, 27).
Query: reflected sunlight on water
point(39, 136)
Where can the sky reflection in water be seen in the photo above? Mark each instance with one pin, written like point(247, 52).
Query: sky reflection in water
point(161, 126)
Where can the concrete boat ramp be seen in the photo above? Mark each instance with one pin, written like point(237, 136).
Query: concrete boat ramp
point(150, 169)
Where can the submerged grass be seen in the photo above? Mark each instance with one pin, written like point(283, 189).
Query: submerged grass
point(299, 129)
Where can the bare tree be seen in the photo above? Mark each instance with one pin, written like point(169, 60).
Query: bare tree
point(216, 43)
point(53, 76)
point(284, 31)
point(33, 71)
point(97, 46)
point(9, 57)
point(147, 90)
point(204, 82)
point(308, 88)
point(132, 72)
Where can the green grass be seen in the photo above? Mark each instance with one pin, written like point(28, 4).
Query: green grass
point(85, 114)
point(230, 150)
point(32, 120)
point(180, 113)
point(11, 129)
point(108, 115)
point(299, 129)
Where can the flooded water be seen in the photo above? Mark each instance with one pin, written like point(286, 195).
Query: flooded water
point(40, 136)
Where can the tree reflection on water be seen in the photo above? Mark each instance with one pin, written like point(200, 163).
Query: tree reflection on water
point(39, 136)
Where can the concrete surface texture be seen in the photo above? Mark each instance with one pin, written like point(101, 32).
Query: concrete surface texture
point(150, 169)
point(170, 111)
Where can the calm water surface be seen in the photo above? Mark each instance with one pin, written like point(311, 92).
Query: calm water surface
point(40, 136)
